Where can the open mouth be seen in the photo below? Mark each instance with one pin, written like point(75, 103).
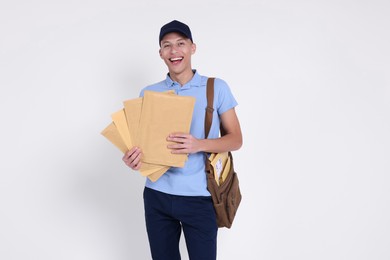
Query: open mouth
point(176, 60)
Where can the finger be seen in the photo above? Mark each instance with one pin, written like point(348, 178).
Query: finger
point(134, 154)
point(176, 146)
point(138, 166)
point(177, 139)
point(180, 151)
point(135, 163)
point(127, 155)
point(131, 156)
point(135, 158)
point(178, 135)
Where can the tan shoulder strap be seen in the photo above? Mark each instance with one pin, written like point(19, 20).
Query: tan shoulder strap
point(209, 109)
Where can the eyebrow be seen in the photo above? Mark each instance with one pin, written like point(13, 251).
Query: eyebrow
point(180, 39)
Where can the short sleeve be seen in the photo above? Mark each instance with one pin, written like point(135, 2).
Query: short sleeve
point(224, 98)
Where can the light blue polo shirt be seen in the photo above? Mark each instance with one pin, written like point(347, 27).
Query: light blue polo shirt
point(191, 179)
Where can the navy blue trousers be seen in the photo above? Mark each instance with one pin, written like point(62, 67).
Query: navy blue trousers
point(167, 215)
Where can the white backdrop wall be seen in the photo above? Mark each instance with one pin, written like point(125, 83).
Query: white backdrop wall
point(313, 86)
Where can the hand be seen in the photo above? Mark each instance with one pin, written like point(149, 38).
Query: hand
point(132, 158)
point(184, 143)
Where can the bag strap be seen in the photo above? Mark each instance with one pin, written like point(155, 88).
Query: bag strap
point(208, 120)
point(209, 109)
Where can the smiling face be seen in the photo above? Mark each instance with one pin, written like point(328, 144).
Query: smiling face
point(176, 51)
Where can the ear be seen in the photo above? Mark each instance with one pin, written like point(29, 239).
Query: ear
point(159, 52)
point(193, 48)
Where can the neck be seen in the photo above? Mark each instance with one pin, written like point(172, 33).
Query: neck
point(182, 78)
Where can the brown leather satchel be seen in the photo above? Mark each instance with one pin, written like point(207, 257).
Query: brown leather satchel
point(226, 195)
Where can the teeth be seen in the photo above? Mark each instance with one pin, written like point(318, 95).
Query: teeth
point(176, 59)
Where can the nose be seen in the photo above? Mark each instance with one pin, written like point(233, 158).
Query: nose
point(174, 49)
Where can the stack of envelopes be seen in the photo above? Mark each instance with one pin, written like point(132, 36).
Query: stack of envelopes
point(146, 123)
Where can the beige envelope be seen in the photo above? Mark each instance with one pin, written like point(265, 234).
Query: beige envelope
point(226, 171)
point(212, 156)
point(219, 163)
point(162, 114)
point(153, 172)
point(123, 132)
point(120, 121)
point(157, 174)
point(112, 134)
point(133, 109)
point(148, 169)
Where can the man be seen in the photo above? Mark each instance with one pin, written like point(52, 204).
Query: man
point(179, 200)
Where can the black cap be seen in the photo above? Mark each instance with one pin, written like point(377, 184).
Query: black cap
point(175, 26)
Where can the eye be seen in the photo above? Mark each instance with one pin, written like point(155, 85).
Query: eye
point(181, 43)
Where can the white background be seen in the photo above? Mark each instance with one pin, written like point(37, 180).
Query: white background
point(313, 85)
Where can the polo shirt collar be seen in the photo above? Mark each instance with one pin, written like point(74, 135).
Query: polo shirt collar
point(194, 82)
